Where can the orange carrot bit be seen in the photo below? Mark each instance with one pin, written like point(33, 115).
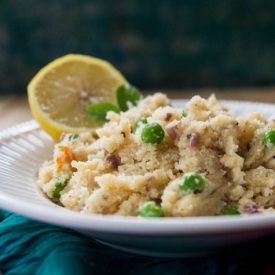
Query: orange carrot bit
point(66, 156)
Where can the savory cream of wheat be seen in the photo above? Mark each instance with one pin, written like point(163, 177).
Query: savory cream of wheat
point(116, 172)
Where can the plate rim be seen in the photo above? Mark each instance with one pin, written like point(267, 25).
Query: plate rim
point(119, 224)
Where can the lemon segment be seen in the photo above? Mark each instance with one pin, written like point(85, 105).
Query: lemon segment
point(59, 93)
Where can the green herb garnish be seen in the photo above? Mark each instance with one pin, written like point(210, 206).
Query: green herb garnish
point(72, 137)
point(184, 113)
point(59, 186)
point(126, 95)
point(98, 111)
point(91, 157)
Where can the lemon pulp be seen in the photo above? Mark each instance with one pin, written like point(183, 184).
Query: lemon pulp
point(60, 92)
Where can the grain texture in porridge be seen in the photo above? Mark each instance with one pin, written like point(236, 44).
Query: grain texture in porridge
point(116, 172)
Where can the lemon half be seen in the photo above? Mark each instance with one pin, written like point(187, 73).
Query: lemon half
point(59, 93)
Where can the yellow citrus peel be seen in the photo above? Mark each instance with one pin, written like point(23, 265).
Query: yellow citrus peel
point(59, 93)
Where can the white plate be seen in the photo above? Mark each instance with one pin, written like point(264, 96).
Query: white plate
point(24, 147)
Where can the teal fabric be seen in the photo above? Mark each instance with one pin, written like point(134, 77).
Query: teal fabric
point(28, 247)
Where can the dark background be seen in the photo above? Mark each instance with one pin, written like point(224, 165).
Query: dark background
point(156, 44)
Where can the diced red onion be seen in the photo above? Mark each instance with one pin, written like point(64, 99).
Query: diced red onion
point(173, 130)
point(194, 139)
point(251, 208)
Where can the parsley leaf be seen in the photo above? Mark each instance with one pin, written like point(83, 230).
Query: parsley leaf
point(98, 111)
point(127, 96)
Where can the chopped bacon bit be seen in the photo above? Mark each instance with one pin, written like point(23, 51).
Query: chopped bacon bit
point(194, 139)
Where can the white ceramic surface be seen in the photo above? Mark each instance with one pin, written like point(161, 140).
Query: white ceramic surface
point(24, 147)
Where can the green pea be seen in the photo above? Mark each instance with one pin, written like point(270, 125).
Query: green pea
point(59, 186)
point(152, 133)
point(150, 209)
point(231, 210)
point(269, 137)
point(192, 182)
point(142, 120)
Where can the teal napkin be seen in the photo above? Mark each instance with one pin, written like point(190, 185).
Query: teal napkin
point(30, 247)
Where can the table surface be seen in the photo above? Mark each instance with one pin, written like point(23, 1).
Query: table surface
point(15, 109)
